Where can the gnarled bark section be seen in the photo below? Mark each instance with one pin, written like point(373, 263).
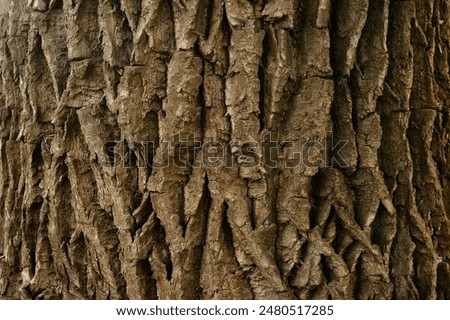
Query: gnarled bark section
point(97, 95)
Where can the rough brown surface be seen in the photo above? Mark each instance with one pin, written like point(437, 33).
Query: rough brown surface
point(86, 80)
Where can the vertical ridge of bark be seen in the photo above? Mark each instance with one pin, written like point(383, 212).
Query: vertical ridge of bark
point(127, 129)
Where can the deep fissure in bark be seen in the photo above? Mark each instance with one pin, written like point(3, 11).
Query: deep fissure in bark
point(96, 95)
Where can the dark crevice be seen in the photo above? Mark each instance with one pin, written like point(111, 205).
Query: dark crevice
point(209, 13)
point(353, 87)
point(58, 4)
point(262, 83)
point(169, 270)
point(183, 221)
point(167, 260)
point(205, 207)
point(160, 250)
point(439, 157)
point(327, 270)
point(341, 243)
point(252, 213)
point(202, 217)
point(36, 158)
point(31, 215)
point(124, 54)
point(445, 119)
point(383, 229)
point(137, 8)
point(148, 284)
point(419, 261)
point(79, 59)
point(226, 228)
point(144, 213)
point(334, 58)
point(201, 91)
point(359, 287)
point(91, 71)
point(443, 286)
point(168, 6)
point(32, 221)
point(316, 199)
point(36, 295)
point(131, 159)
point(78, 248)
point(304, 251)
point(292, 273)
point(227, 30)
point(36, 205)
point(330, 228)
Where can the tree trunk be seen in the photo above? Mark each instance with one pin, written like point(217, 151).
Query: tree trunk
point(223, 149)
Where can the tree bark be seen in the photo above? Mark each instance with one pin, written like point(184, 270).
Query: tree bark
point(109, 108)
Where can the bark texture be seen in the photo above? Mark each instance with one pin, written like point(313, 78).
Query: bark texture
point(76, 74)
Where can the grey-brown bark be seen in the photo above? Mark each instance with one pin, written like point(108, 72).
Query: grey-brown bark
point(95, 93)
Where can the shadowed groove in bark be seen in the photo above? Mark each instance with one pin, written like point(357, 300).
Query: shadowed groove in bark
point(92, 92)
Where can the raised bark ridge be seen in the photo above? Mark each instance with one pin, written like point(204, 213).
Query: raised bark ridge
point(86, 80)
